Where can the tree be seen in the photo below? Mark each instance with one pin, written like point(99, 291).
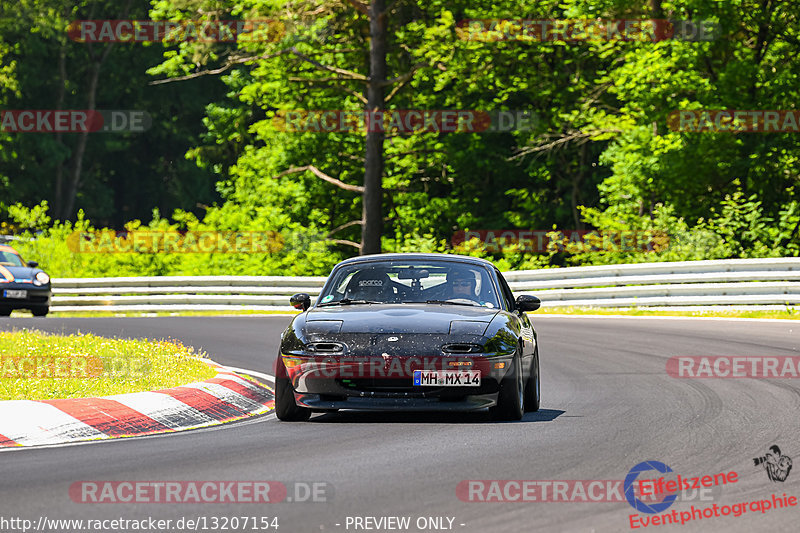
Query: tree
point(114, 177)
point(336, 78)
point(372, 219)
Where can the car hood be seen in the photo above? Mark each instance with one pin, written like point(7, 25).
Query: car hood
point(397, 318)
point(21, 274)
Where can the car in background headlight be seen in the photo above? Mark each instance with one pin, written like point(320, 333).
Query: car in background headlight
point(22, 285)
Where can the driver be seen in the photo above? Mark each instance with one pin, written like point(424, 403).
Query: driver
point(462, 285)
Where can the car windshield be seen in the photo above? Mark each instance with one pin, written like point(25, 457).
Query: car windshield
point(404, 281)
point(10, 259)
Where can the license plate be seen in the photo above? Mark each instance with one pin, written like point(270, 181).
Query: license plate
point(15, 294)
point(447, 378)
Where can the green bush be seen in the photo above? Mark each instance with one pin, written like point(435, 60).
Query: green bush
point(738, 228)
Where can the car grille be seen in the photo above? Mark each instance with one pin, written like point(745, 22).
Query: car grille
point(380, 385)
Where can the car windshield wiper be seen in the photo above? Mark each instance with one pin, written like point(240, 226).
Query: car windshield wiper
point(348, 301)
point(451, 302)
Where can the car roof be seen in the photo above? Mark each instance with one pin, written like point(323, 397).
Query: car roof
point(6, 248)
point(419, 257)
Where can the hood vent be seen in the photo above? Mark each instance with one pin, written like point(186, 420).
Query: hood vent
point(325, 347)
point(461, 347)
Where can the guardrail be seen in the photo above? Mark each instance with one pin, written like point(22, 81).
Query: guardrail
point(760, 283)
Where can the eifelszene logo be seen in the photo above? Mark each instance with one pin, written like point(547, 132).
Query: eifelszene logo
point(630, 483)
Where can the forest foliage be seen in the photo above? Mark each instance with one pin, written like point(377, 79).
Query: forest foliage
point(600, 154)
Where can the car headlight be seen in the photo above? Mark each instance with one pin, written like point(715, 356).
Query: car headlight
point(467, 327)
point(41, 278)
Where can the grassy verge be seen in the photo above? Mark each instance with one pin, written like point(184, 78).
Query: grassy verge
point(578, 311)
point(788, 314)
point(101, 314)
point(288, 311)
point(40, 366)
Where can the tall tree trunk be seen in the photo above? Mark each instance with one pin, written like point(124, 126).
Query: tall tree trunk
point(80, 150)
point(656, 10)
point(94, 76)
point(372, 219)
point(577, 180)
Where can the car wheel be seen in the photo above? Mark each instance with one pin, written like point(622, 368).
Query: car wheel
point(533, 390)
point(40, 311)
point(286, 408)
point(5, 311)
point(511, 399)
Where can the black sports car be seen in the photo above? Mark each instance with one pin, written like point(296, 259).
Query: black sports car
point(22, 285)
point(413, 332)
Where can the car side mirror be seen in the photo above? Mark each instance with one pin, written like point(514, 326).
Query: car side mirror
point(300, 300)
point(526, 302)
point(33, 264)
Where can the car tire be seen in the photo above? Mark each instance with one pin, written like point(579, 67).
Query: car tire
point(5, 311)
point(511, 398)
point(40, 311)
point(286, 408)
point(533, 387)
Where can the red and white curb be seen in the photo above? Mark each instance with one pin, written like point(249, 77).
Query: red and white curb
point(224, 398)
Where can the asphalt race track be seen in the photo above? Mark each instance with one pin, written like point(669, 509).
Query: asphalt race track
point(608, 404)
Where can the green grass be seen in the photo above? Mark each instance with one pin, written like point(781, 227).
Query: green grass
point(58, 314)
point(788, 314)
point(40, 366)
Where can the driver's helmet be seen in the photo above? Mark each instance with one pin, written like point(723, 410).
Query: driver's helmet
point(461, 283)
point(369, 284)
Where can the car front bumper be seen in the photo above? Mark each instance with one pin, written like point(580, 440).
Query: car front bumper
point(387, 383)
point(35, 298)
point(395, 402)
